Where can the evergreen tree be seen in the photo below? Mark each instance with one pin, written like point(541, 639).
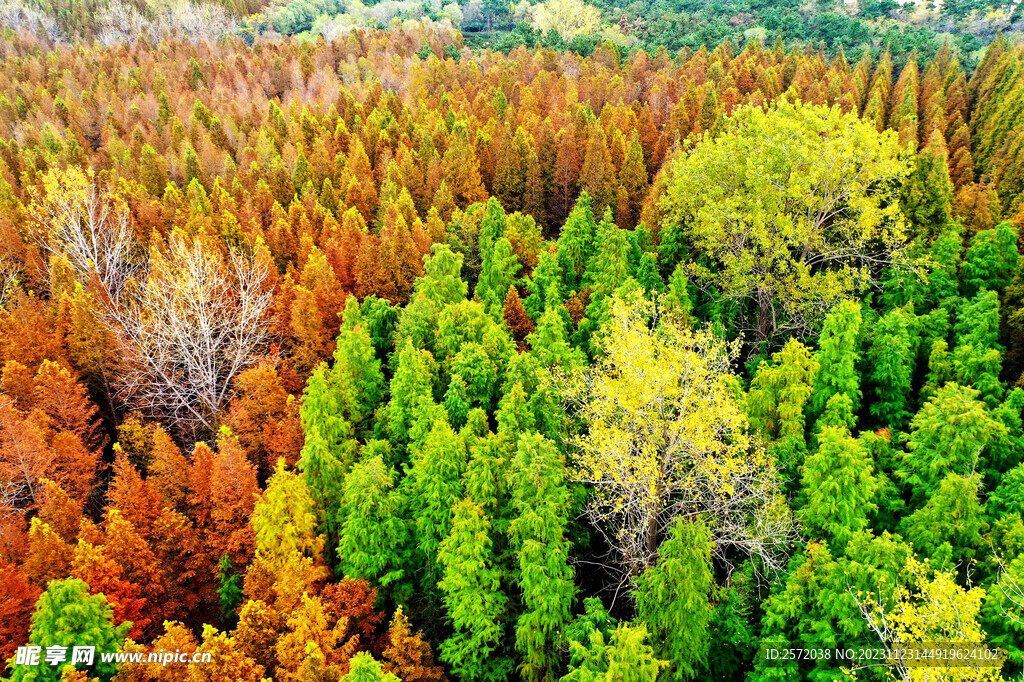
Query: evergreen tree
point(837, 357)
point(374, 535)
point(476, 605)
point(672, 599)
point(838, 487)
point(66, 615)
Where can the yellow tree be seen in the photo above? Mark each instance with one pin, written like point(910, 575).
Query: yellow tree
point(666, 436)
point(929, 610)
point(793, 206)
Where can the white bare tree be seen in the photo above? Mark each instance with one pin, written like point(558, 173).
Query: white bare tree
point(199, 319)
point(75, 220)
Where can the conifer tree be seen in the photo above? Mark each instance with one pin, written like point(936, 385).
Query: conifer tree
point(672, 599)
point(837, 357)
point(540, 499)
point(284, 518)
point(435, 481)
point(497, 275)
point(576, 242)
point(838, 487)
point(949, 527)
point(90, 626)
point(473, 597)
point(891, 357)
point(948, 435)
point(374, 536)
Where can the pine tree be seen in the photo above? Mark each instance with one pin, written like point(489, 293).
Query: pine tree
point(356, 374)
point(672, 598)
point(779, 392)
point(473, 597)
point(374, 536)
point(516, 318)
point(91, 626)
point(838, 487)
point(837, 358)
point(540, 499)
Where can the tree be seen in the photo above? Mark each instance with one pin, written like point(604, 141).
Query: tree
point(374, 537)
point(795, 205)
point(990, 260)
point(498, 274)
point(779, 392)
point(195, 324)
point(948, 434)
point(91, 626)
point(928, 606)
point(88, 228)
point(409, 656)
point(622, 656)
point(284, 517)
point(658, 447)
point(839, 487)
point(473, 597)
point(837, 357)
point(672, 598)
point(435, 481)
point(948, 527)
point(516, 318)
point(218, 658)
point(892, 359)
point(541, 501)
point(364, 668)
point(576, 242)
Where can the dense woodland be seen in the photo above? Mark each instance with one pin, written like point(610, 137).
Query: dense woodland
point(382, 359)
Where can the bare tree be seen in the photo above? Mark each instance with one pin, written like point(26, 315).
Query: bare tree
point(199, 319)
point(75, 220)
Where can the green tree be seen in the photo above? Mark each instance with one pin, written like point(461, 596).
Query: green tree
point(363, 668)
point(623, 655)
point(476, 605)
point(374, 534)
point(837, 357)
point(576, 242)
point(755, 201)
point(673, 598)
point(540, 499)
point(67, 615)
point(356, 374)
point(948, 435)
point(891, 357)
point(497, 275)
point(435, 482)
point(838, 486)
point(991, 260)
point(948, 527)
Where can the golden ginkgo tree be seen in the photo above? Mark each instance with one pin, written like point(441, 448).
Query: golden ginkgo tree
point(664, 434)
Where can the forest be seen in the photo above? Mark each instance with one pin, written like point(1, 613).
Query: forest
point(390, 358)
